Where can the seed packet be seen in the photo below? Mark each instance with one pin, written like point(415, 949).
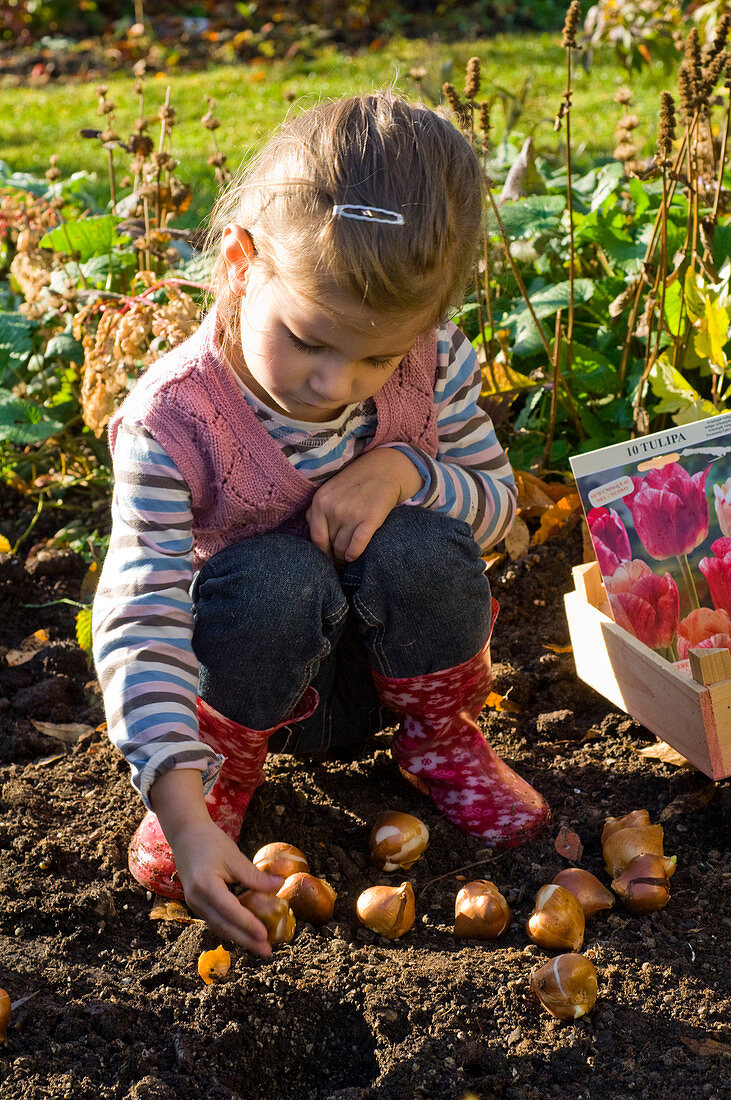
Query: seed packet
point(659, 514)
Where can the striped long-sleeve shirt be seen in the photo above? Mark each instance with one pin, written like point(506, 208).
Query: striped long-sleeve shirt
point(143, 609)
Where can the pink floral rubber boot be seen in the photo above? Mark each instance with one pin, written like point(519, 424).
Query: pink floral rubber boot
point(151, 861)
point(442, 747)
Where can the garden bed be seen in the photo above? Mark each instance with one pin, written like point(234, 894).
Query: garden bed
point(112, 1003)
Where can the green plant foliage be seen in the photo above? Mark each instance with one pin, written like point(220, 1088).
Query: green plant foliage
point(83, 630)
point(23, 422)
point(85, 237)
point(16, 345)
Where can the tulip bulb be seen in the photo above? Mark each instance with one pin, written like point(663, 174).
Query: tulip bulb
point(388, 910)
point(629, 821)
point(590, 893)
point(311, 899)
point(644, 884)
point(480, 911)
point(566, 986)
point(4, 1014)
point(273, 912)
point(280, 859)
point(397, 840)
point(557, 921)
point(624, 845)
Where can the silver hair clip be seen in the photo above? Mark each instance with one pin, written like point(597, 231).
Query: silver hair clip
point(368, 214)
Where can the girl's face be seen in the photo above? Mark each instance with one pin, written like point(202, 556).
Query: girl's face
point(307, 363)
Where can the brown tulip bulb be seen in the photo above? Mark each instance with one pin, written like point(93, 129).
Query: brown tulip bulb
point(629, 821)
point(397, 840)
point(311, 899)
point(557, 920)
point(644, 884)
point(566, 986)
point(480, 911)
point(625, 844)
point(280, 859)
point(591, 894)
point(388, 910)
point(273, 912)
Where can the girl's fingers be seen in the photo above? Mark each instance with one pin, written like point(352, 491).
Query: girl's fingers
point(359, 540)
point(231, 919)
point(319, 530)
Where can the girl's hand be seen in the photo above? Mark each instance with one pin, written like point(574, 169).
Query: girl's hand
point(349, 508)
point(207, 860)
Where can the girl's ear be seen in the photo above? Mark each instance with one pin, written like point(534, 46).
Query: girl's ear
point(238, 252)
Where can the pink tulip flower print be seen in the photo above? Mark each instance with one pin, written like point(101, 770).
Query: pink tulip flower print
point(610, 539)
point(644, 604)
point(717, 571)
point(722, 495)
point(704, 628)
point(669, 510)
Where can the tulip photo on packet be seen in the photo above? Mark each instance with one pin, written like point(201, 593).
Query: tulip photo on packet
point(659, 517)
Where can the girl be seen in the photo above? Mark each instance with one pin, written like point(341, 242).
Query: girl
point(303, 492)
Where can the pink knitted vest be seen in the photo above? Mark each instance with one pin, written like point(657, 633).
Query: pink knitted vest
point(240, 482)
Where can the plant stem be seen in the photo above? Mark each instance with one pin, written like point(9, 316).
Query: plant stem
point(554, 394)
point(526, 298)
point(570, 209)
point(688, 581)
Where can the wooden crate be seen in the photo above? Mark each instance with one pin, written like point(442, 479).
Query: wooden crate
point(690, 709)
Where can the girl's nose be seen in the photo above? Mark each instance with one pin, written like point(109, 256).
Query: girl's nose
point(334, 382)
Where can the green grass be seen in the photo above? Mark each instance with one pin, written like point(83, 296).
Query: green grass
point(36, 122)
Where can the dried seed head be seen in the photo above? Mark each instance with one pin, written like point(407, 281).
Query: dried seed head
point(210, 122)
point(105, 106)
point(417, 74)
point(108, 136)
point(140, 67)
point(217, 160)
point(102, 90)
point(628, 122)
point(452, 97)
point(166, 114)
point(573, 15)
point(141, 145)
point(137, 87)
point(666, 129)
point(472, 79)
point(623, 95)
point(483, 118)
point(712, 72)
point(692, 61)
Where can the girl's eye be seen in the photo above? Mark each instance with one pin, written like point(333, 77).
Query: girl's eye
point(382, 363)
point(310, 349)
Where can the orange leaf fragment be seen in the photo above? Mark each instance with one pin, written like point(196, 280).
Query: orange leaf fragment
point(501, 702)
point(214, 964)
point(28, 648)
point(493, 558)
point(173, 910)
point(568, 844)
point(4, 1014)
point(557, 516)
point(534, 495)
point(558, 648)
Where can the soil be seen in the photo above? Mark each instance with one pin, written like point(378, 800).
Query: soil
point(108, 1003)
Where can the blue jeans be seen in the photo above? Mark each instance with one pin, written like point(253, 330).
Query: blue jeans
point(273, 615)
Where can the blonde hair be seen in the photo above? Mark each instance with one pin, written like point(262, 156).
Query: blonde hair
point(374, 151)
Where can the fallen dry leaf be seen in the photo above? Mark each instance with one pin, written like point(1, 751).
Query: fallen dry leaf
point(501, 702)
point(557, 516)
point(89, 583)
point(28, 648)
point(558, 648)
point(705, 1045)
point(665, 753)
point(517, 540)
point(214, 964)
point(70, 732)
point(533, 494)
point(4, 1014)
point(173, 910)
point(568, 844)
point(493, 558)
point(688, 803)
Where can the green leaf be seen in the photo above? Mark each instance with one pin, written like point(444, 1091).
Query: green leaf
point(16, 343)
point(546, 302)
point(530, 217)
point(83, 629)
point(23, 422)
point(66, 347)
point(86, 237)
point(676, 394)
point(592, 373)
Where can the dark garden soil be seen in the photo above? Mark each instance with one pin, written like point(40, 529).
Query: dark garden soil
point(111, 1002)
